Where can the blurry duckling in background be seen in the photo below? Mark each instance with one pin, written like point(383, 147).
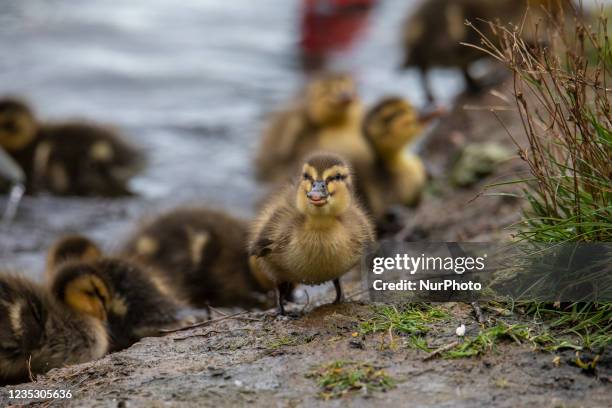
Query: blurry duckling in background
point(71, 158)
point(202, 254)
point(326, 116)
point(397, 176)
point(313, 231)
point(37, 333)
point(70, 248)
point(130, 299)
point(434, 33)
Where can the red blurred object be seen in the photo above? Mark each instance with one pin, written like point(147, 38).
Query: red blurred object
point(330, 26)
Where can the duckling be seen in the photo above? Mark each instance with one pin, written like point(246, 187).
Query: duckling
point(71, 247)
point(396, 177)
point(433, 35)
point(37, 333)
point(326, 116)
point(72, 158)
point(129, 298)
point(202, 254)
point(312, 231)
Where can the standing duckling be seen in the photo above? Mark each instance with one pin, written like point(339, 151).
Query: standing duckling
point(397, 177)
point(327, 116)
point(37, 333)
point(132, 302)
point(202, 254)
point(433, 36)
point(71, 158)
point(311, 232)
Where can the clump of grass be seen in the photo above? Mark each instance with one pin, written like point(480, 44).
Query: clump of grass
point(411, 319)
point(590, 324)
point(561, 89)
point(340, 378)
point(414, 321)
point(487, 339)
point(288, 341)
point(562, 92)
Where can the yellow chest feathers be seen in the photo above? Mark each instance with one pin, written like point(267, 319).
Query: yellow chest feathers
point(315, 256)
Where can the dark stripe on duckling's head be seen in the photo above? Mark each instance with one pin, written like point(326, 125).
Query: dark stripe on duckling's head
point(322, 161)
point(381, 115)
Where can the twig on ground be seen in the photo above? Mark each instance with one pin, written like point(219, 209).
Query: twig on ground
point(193, 326)
point(307, 302)
point(357, 293)
point(208, 333)
point(214, 309)
point(251, 319)
point(440, 350)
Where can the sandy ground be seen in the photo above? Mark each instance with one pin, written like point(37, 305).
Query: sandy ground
point(262, 360)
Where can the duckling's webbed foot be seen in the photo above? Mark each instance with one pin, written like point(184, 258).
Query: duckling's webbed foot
point(339, 294)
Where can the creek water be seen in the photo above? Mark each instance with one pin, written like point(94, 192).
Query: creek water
point(188, 82)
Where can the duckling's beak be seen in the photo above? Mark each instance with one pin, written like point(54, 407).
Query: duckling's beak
point(428, 115)
point(346, 98)
point(318, 194)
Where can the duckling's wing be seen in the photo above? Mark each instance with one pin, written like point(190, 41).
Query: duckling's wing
point(271, 235)
point(261, 247)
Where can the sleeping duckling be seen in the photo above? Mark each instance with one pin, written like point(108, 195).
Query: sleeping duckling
point(37, 333)
point(130, 299)
point(202, 254)
point(311, 232)
point(326, 117)
point(71, 158)
point(433, 35)
point(397, 177)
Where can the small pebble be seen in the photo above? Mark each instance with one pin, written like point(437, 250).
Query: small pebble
point(460, 331)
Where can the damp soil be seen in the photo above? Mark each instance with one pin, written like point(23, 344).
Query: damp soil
point(262, 360)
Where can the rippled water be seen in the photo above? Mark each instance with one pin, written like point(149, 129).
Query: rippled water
point(190, 82)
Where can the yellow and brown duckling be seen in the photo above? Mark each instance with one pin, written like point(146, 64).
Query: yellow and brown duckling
point(313, 231)
point(131, 300)
point(71, 158)
point(396, 177)
point(327, 116)
point(433, 36)
point(38, 333)
point(202, 254)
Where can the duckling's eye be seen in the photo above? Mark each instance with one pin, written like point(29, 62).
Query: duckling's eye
point(306, 176)
point(389, 118)
point(337, 177)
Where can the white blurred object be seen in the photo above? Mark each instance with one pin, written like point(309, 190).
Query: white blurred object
point(13, 173)
point(460, 331)
point(10, 170)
